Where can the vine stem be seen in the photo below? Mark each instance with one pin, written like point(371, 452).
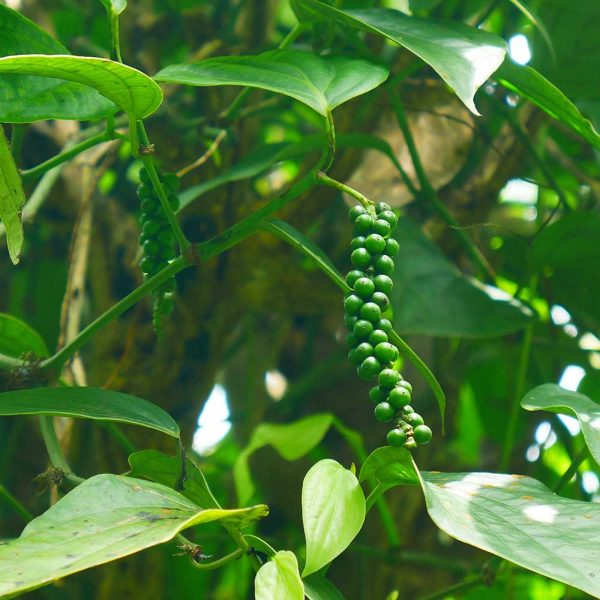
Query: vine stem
point(219, 562)
point(572, 470)
point(55, 453)
point(15, 504)
point(53, 365)
point(148, 160)
point(42, 168)
point(428, 191)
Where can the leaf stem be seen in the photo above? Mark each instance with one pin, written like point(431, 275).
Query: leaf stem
point(429, 193)
point(15, 504)
point(148, 160)
point(54, 364)
point(572, 470)
point(38, 170)
point(511, 429)
point(219, 562)
point(240, 540)
point(342, 187)
point(55, 453)
point(329, 148)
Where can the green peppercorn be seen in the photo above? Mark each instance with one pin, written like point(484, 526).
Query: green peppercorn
point(414, 419)
point(386, 353)
point(383, 283)
point(364, 350)
point(383, 264)
point(375, 244)
point(382, 227)
point(361, 257)
point(389, 378)
point(378, 394)
point(381, 207)
point(362, 329)
point(390, 217)
point(352, 304)
point(422, 434)
point(392, 247)
point(358, 242)
point(363, 224)
point(381, 300)
point(353, 276)
point(399, 397)
point(369, 367)
point(396, 438)
point(378, 337)
point(350, 322)
point(406, 385)
point(151, 248)
point(384, 325)
point(364, 287)
point(370, 312)
point(384, 412)
point(147, 265)
point(351, 340)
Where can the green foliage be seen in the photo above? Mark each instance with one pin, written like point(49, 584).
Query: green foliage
point(12, 199)
point(88, 403)
point(333, 512)
point(318, 83)
point(491, 273)
point(103, 519)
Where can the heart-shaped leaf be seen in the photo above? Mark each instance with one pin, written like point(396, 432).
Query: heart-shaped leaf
point(320, 83)
point(12, 199)
point(463, 56)
point(131, 90)
point(553, 398)
point(105, 518)
point(88, 403)
point(26, 98)
point(531, 84)
point(291, 441)
point(16, 338)
point(279, 579)
point(333, 512)
point(512, 516)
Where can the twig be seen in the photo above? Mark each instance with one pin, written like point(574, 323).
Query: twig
point(15, 504)
point(209, 152)
point(572, 470)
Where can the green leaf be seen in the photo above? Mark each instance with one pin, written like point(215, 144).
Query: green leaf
point(279, 579)
point(319, 83)
point(463, 56)
point(567, 253)
point(297, 239)
point(521, 520)
point(316, 587)
point(291, 441)
point(116, 7)
point(530, 84)
point(27, 98)
point(432, 297)
point(88, 403)
point(105, 518)
point(17, 338)
point(130, 89)
point(12, 199)
point(389, 465)
point(165, 469)
point(553, 398)
point(333, 512)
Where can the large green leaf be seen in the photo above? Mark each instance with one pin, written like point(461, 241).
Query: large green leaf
point(333, 512)
point(105, 518)
point(512, 516)
point(26, 98)
point(279, 579)
point(130, 89)
point(297, 239)
point(553, 398)
point(432, 297)
point(17, 338)
point(320, 83)
point(291, 441)
point(165, 469)
point(12, 199)
point(568, 254)
point(530, 84)
point(463, 56)
point(88, 403)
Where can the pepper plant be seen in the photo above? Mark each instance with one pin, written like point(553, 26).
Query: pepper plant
point(182, 185)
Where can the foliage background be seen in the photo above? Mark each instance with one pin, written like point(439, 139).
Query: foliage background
point(263, 307)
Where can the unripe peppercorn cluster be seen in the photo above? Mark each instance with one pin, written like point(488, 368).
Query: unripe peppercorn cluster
point(156, 239)
point(370, 349)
